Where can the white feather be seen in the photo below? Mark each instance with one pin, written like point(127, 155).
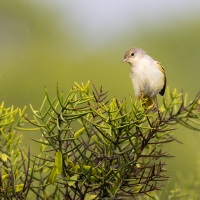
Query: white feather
point(146, 76)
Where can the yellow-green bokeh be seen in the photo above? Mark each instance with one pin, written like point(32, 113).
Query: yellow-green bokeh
point(37, 52)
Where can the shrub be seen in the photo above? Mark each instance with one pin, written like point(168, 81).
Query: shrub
point(107, 149)
point(91, 148)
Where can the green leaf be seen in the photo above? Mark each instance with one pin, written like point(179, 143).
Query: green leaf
point(58, 162)
point(53, 175)
point(19, 187)
point(90, 196)
point(4, 177)
point(4, 157)
point(72, 180)
point(92, 169)
point(79, 132)
point(137, 188)
point(72, 165)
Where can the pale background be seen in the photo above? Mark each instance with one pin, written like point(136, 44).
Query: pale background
point(45, 42)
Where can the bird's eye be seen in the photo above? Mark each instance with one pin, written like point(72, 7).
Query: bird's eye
point(132, 54)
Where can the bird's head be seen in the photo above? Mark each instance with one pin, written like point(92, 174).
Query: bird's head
point(133, 55)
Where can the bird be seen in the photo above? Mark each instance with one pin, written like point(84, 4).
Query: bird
point(147, 75)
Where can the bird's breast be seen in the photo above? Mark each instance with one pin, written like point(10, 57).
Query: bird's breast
point(147, 79)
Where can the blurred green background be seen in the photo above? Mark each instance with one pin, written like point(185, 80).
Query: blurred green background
point(45, 42)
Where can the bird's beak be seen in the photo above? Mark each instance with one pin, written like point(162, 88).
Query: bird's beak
point(124, 60)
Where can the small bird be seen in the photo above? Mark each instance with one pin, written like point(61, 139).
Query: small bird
point(147, 75)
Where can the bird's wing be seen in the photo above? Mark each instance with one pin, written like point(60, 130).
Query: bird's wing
point(162, 91)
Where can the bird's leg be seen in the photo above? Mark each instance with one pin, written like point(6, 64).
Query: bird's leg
point(155, 102)
point(141, 96)
point(155, 106)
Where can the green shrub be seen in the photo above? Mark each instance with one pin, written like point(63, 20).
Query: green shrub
point(92, 148)
point(107, 149)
